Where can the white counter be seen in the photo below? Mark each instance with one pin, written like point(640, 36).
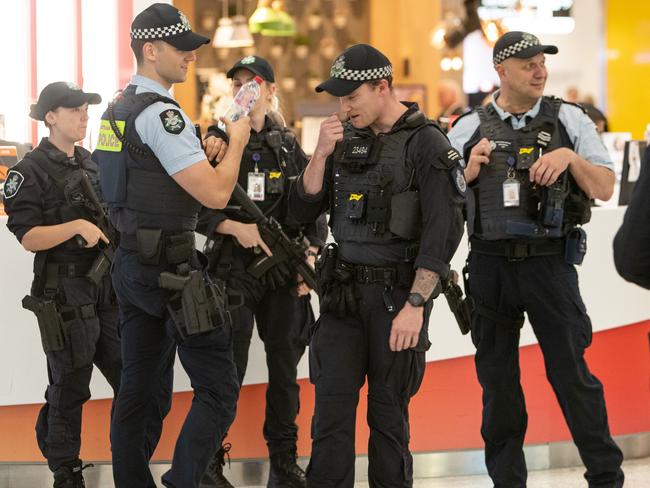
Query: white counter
point(611, 302)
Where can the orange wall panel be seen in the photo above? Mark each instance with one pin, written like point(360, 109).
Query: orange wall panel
point(445, 414)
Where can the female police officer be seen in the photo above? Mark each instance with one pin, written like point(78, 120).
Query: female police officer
point(279, 304)
point(49, 213)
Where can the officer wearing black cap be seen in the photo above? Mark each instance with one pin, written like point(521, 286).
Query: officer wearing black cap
point(155, 176)
point(533, 164)
point(395, 190)
point(51, 214)
point(279, 304)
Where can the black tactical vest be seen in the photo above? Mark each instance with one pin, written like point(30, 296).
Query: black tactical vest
point(371, 175)
point(137, 189)
point(70, 203)
point(271, 152)
point(543, 212)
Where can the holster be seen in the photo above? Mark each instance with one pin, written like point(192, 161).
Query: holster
point(461, 307)
point(338, 292)
point(199, 304)
point(49, 320)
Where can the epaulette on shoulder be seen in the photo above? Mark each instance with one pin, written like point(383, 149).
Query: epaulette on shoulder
point(584, 110)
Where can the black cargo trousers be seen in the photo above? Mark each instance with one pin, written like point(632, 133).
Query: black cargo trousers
point(344, 352)
point(90, 328)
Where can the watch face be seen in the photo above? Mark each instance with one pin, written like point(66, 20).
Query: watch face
point(416, 299)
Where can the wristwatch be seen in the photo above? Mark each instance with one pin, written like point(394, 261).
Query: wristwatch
point(416, 299)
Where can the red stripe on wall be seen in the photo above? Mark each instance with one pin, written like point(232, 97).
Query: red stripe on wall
point(445, 414)
point(33, 73)
point(79, 43)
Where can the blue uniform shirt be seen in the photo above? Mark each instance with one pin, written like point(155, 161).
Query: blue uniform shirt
point(580, 128)
point(175, 151)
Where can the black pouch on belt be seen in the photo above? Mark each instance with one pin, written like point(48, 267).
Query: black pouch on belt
point(150, 245)
point(575, 246)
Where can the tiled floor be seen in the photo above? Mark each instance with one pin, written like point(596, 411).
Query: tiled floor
point(637, 474)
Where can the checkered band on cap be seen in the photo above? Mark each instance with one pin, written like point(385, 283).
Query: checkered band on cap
point(513, 49)
point(161, 32)
point(365, 74)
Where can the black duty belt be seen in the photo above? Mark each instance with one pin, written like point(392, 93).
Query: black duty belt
point(518, 250)
point(401, 275)
point(160, 247)
point(69, 270)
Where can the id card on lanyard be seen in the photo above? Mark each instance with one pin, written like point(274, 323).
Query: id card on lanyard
point(256, 182)
point(511, 185)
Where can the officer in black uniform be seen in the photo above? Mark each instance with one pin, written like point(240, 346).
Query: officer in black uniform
point(155, 176)
point(395, 190)
point(533, 163)
point(51, 214)
point(282, 310)
point(632, 241)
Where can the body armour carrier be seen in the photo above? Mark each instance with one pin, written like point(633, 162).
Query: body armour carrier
point(373, 198)
point(71, 204)
point(270, 155)
point(130, 173)
point(508, 205)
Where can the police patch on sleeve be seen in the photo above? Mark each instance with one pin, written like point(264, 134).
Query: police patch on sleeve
point(12, 183)
point(459, 180)
point(172, 120)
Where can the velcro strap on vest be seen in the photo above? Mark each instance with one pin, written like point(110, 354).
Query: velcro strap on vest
point(518, 250)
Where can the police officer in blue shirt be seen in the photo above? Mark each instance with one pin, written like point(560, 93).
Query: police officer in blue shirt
point(533, 164)
point(155, 176)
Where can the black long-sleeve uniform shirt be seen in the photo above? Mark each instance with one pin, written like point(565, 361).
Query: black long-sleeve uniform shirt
point(31, 195)
point(632, 241)
point(442, 196)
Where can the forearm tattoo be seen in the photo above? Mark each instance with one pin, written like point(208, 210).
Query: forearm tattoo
point(425, 282)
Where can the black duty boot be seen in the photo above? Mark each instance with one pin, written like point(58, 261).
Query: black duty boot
point(70, 476)
point(285, 473)
point(213, 476)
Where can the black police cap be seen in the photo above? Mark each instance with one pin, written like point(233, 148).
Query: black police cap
point(354, 66)
point(517, 44)
point(255, 64)
point(163, 22)
point(61, 94)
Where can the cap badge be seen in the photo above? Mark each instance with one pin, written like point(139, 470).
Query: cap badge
point(248, 60)
point(338, 67)
point(184, 21)
point(530, 38)
point(72, 86)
